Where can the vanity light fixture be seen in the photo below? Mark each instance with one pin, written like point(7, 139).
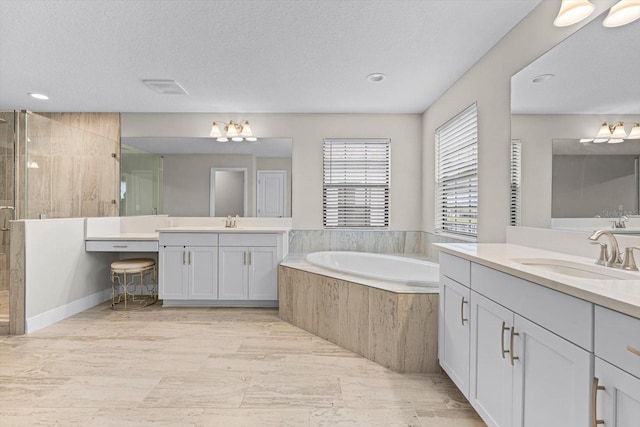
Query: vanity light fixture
point(622, 13)
point(615, 134)
point(573, 11)
point(237, 132)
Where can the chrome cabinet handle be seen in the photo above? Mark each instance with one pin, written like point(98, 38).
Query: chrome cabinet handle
point(633, 350)
point(244, 258)
point(594, 398)
point(511, 356)
point(250, 258)
point(120, 246)
point(184, 257)
point(189, 257)
point(502, 331)
point(462, 318)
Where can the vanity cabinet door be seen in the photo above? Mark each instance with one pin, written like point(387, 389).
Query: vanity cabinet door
point(552, 379)
point(203, 272)
point(618, 404)
point(263, 273)
point(232, 282)
point(173, 273)
point(491, 372)
point(454, 332)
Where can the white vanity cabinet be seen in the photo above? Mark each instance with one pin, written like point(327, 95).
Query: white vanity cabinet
point(616, 383)
point(233, 268)
point(530, 360)
point(530, 356)
point(248, 267)
point(188, 266)
point(453, 341)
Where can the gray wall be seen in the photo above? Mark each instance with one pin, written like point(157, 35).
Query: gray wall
point(586, 186)
point(187, 181)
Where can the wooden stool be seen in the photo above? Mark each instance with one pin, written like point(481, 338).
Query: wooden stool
point(128, 288)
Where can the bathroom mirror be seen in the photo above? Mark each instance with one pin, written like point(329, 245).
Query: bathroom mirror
point(178, 174)
point(567, 94)
point(595, 180)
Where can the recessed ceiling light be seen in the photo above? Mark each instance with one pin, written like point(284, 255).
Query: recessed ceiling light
point(376, 77)
point(38, 96)
point(542, 78)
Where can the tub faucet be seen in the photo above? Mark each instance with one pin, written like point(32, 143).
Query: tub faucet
point(608, 259)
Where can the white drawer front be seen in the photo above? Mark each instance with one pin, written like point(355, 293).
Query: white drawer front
point(188, 239)
point(567, 316)
point(617, 339)
point(455, 268)
point(121, 246)
point(241, 239)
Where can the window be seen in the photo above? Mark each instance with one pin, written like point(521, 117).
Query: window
point(356, 183)
point(514, 206)
point(457, 175)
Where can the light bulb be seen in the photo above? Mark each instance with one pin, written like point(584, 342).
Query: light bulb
point(573, 11)
point(231, 129)
point(622, 13)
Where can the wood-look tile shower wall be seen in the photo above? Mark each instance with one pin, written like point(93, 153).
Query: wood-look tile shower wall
point(77, 174)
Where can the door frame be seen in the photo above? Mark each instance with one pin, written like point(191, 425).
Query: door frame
point(212, 188)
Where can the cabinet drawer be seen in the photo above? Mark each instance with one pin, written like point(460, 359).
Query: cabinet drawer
point(614, 333)
point(455, 268)
point(567, 316)
point(121, 246)
point(238, 239)
point(188, 239)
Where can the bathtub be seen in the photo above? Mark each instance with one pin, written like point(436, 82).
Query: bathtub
point(379, 266)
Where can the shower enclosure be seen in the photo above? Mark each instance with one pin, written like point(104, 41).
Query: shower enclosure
point(54, 168)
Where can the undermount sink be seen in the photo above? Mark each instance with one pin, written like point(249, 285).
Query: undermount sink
point(577, 269)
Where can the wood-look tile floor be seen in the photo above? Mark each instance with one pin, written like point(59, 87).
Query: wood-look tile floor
point(207, 367)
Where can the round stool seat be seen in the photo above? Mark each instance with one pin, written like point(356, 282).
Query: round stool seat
point(127, 265)
point(128, 285)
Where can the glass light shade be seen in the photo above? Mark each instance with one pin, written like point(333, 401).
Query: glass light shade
point(618, 131)
point(231, 129)
point(251, 139)
point(215, 131)
point(615, 140)
point(222, 139)
point(622, 13)
point(586, 140)
point(237, 138)
point(600, 140)
point(604, 132)
point(246, 129)
point(573, 11)
point(635, 132)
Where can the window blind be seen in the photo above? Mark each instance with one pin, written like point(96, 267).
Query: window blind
point(457, 175)
point(356, 183)
point(514, 206)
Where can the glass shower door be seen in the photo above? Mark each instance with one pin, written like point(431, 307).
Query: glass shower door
point(7, 205)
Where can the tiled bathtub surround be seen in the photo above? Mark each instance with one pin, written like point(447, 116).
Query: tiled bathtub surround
point(397, 330)
point(389, 242)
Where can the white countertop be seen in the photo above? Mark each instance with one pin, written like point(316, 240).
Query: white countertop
point(196, 229)
point(203, 229)
point(619, 295)
point(125, 236)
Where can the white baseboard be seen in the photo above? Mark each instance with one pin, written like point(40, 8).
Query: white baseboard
point(64, 311)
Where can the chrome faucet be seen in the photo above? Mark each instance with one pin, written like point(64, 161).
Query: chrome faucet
point(629, 263)
point(607, 259)
point(621, 222)
point(231, 222)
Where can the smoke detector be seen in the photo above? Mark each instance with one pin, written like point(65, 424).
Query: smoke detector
point(165, 87)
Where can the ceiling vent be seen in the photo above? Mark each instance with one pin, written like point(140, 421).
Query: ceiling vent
point(165, 87)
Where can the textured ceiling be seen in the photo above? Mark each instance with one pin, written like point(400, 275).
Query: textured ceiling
point(244, 55)
point(597, 71)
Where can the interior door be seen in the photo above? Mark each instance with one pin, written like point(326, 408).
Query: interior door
point(271, 194)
